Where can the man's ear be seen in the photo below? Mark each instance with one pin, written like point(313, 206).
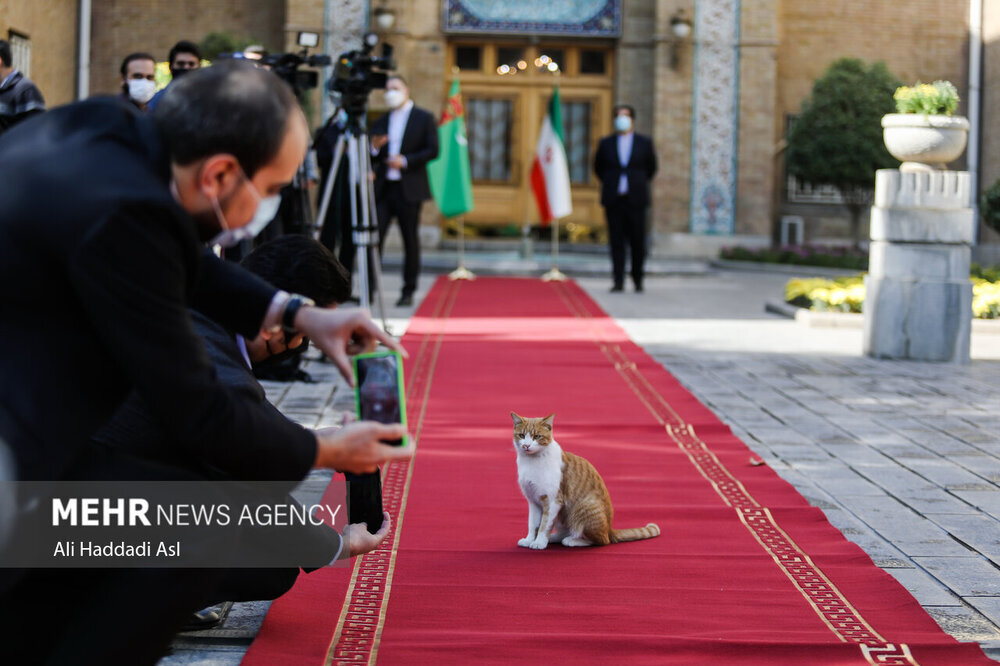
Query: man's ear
point(219, 175)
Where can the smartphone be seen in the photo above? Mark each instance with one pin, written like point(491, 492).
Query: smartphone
point(364, 500)
point(378, 391)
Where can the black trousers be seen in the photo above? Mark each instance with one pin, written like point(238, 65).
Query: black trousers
point(393, 204)
point(626, 224)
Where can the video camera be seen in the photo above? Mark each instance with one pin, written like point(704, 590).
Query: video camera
point(286, 65)
point(355, 75)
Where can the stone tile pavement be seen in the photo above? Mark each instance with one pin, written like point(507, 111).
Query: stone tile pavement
point(903, 458)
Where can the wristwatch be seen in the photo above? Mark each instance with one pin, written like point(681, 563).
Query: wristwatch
point(295, 302)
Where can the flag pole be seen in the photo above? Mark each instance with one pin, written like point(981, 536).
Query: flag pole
point(554, 274)
point(461, 273)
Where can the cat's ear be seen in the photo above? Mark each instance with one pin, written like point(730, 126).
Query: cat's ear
point(517, 419)
point(548, 420)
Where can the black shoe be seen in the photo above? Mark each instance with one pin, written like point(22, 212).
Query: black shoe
point(405, 300)
point(206, 618)
point(616, 288)
point(638, 288)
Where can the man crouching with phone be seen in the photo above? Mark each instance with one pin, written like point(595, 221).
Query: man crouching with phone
point(297, 264)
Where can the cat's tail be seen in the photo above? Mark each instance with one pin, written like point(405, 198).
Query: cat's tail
point(635, 533)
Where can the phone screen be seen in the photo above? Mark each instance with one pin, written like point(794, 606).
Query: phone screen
point(379, 389)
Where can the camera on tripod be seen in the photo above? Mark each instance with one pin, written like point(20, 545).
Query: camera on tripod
point(358, 72)
point(286, 65)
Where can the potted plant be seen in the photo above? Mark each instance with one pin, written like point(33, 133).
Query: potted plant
point(923, 134)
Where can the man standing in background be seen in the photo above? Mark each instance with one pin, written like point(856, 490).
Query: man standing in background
point(138, 79)
point(625, 163)
point(19, 97)
point(406, 140)
point(184, 57)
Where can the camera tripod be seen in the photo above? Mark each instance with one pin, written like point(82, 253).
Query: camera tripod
point(353, 141)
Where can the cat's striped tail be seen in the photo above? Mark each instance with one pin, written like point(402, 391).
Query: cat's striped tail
point(635, 533)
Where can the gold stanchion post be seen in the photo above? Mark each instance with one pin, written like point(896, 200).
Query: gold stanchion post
point(554, 274)
point(461, 273)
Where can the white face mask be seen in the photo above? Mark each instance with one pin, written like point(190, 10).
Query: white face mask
point(141, 90)
point(267, 208)
point(395, 98)
point(623, 123)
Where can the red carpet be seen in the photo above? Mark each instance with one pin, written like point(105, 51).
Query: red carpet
point(746, 572)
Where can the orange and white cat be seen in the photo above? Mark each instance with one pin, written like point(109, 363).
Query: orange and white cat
point(568, 502)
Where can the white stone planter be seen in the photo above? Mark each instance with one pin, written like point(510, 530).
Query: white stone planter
point(922, 142)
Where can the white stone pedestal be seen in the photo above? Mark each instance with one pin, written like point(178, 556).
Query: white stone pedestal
point(918, 298)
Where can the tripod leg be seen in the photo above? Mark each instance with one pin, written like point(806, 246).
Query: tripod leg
point(331, 179)
point(370, 213)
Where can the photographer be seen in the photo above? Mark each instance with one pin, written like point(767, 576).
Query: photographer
point(115, 261)
point(294, 263)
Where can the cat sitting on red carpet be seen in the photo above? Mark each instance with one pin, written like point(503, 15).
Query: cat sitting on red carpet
point(568, 502)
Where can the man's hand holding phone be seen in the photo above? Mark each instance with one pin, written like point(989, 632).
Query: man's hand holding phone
point(358, 447)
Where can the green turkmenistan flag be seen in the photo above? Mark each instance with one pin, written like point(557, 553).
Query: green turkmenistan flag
point(449, 173)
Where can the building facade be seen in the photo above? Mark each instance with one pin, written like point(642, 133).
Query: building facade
point(714, 82)
point(43, 36)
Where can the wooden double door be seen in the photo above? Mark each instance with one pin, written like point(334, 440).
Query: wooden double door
point(506, 88)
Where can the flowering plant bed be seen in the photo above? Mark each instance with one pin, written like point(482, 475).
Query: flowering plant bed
point(936, 99)
point(847, 294)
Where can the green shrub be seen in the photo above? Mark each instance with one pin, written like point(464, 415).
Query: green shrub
point(989, 206)
point(801, 255)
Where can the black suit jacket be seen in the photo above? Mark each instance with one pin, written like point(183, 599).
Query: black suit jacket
point(100, 265)
point(419, 146)
point(639, 171)
point(135, 431)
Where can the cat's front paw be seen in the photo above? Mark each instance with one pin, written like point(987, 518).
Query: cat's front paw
point(525, 542)
point(539, 544)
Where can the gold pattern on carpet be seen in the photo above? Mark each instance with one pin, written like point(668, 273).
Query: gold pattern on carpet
point(826, 600)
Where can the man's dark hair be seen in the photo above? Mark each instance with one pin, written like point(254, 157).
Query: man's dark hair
point(398, 77)
point(5, 53)
point(231, 107)
point(138, 55)
point(300, 265)
point(627, 107)
point(184, 46)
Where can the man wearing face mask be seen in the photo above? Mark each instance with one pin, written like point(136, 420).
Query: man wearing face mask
point(625, 163)
point(116, 260)
point(138, 79)
point(403, 142)
point(184, 57)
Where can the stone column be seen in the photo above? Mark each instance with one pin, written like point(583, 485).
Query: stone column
point(918, 298)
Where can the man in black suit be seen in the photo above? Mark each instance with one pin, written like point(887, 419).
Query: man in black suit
point(406, 140)
point(106, 211)
point(297, 264)
point(625, 163)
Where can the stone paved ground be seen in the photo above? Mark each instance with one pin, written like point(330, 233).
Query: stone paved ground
point(904, 458)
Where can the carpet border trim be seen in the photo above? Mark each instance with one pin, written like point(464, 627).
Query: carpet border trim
point(359, 629)
point(829, 603)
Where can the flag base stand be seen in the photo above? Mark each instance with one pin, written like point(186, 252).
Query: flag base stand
point(554, 275)
point(461, 273)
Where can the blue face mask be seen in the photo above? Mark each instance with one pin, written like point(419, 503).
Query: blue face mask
point(623, 123)
point(267, 208)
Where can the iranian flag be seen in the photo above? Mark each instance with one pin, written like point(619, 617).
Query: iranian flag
point(449, 173)
point(550, 172)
